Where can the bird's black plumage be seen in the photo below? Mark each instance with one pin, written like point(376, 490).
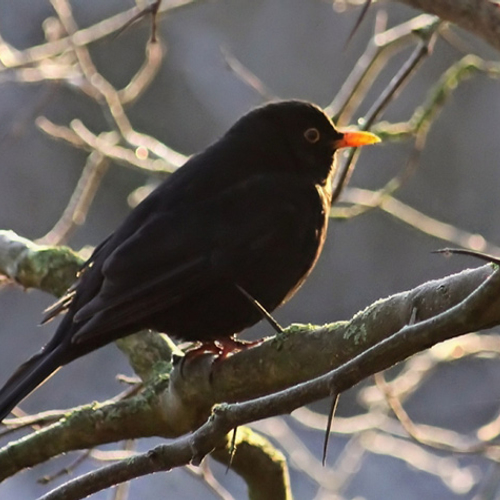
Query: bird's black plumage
point(250, 212)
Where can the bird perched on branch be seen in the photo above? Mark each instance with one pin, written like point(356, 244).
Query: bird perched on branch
point(240, 225)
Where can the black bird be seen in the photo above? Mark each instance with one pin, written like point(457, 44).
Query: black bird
point(246, 218)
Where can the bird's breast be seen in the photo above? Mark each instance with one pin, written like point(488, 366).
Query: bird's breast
point(288, 260)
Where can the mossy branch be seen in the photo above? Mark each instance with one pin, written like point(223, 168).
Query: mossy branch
point(180, 404)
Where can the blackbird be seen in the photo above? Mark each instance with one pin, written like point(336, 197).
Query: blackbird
point(242, 223)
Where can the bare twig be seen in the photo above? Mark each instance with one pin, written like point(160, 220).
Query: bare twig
point(76, 212)
point(384, 45)
point(121, 491)
point(432, 437)
point(11, 58)
point(246, 76)
point(421, 221)
point(423, 49)
point(204, 473)
point(68, 469)
point(150, 9)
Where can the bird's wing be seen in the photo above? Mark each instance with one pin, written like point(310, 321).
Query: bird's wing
point(179, 252)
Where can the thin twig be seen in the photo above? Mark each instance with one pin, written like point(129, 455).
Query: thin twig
point(435, 438)
point(13, 58)
point(421, 221)
point(205, 474)
point(75, 213)
point(121, 491)
point(246, 76)
point(383, 45)
point(422, 50)
point(67, 470)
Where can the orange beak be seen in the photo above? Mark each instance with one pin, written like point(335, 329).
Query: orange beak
point(355, 139)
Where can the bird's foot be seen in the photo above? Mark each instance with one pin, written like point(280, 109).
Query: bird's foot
point(220, 348)
point(231, 345)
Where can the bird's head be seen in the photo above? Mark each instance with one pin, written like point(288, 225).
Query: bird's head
point(301, 137)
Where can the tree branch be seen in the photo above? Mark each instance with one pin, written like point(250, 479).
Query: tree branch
point(226, 417)
point(481, 17)
point(383, 334)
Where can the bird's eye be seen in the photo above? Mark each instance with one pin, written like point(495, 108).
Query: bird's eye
point(312, 135)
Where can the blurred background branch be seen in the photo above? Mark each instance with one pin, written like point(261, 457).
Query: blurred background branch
point(390, 419)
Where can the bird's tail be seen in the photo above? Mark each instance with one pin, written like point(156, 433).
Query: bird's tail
point(28, 377)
